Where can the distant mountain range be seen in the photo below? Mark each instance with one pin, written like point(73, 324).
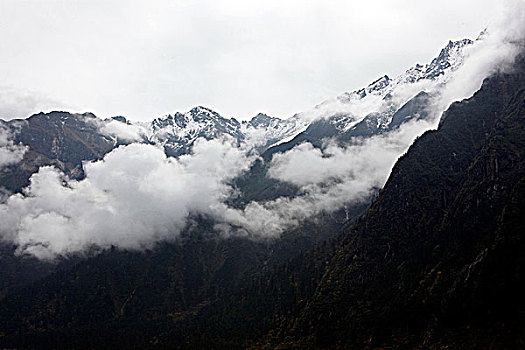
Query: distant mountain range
point(342, 117)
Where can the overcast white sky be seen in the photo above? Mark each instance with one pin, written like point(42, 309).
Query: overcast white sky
point(144, 59)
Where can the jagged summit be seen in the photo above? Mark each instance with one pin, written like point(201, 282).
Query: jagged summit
point(450, 56)
point(262, 119)
point(202, 109)
point(121, 119)
point(203, 113)
point(449, 59)
point(179, 131)
point(196, 114)
point(62, 115)
point(379, 84)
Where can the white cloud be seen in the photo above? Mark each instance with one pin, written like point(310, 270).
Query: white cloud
point(328, 180)
point(132, 198)
point(10, 152)
point(136, 196)
point(122, 131)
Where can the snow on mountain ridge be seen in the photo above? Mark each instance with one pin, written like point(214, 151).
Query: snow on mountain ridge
point(375, 104)
point(177, 132)
point(263, 131)
point(449, 59)
point(380, 99)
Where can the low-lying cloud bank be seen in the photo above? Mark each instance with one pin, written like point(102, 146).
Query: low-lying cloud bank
point(131, 199)
point(328, 180)
point(136, 196)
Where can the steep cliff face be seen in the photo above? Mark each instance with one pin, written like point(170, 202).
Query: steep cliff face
point(437, 261)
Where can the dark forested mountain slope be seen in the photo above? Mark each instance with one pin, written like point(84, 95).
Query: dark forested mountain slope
point(143, 295)
point(438, 260)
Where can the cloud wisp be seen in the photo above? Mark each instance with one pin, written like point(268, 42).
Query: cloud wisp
point(122, 130)
point(10, 152)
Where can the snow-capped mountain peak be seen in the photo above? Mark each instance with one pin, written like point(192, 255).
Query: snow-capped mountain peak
point(379, 84)
point(178, 132)
point(451, 56)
